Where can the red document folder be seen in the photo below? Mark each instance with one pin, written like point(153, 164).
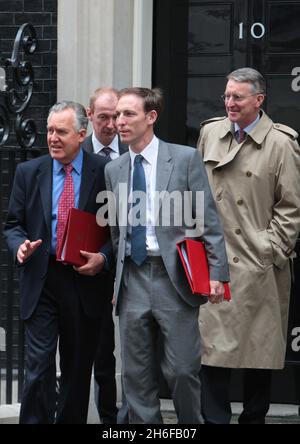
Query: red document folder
point(81, 233)
point(193, 257)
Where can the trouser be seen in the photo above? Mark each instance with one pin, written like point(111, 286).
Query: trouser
point(58, 314)
point(148, 305)
point(215, 395)
point(105, 369)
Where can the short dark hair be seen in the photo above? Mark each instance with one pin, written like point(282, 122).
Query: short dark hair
point(153, 98)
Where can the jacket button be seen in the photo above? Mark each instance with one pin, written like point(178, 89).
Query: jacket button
point(240, 202)
point(249, 174)
point(258, 147)
point(238, 231)
point(236, 260)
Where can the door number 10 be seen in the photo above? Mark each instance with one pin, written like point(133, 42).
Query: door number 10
point(257, 30)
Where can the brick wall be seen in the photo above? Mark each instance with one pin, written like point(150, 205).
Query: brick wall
point(42, 14)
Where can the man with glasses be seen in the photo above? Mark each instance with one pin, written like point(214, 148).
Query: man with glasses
point(253, 167)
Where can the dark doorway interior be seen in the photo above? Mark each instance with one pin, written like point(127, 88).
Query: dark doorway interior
point(196, 44)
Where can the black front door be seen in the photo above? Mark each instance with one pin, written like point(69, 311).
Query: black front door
point(197, 43)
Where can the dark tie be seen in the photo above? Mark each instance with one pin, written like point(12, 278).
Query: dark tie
point(138, 234)
point(66, 201)
point(107, 150)
point(241, 135)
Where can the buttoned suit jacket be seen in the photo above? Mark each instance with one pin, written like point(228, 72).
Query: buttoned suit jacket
point(179, 168)
point(29, 217)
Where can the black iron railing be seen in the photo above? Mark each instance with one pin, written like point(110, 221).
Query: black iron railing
point(17, 137)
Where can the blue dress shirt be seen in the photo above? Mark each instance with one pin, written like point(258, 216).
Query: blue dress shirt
point(58, 177)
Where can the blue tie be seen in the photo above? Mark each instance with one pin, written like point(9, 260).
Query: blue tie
point(138, 234)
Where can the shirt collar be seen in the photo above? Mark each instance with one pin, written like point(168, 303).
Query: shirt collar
point(77, 164)
point(149, 153)
point(98, 146)
point(248, 128)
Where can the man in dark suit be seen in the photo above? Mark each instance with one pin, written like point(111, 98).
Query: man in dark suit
point(102, 114)
point(151, 291)
point(105, 142)
point(57, 300)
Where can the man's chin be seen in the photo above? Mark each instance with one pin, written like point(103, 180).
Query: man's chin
point(125, 138)
point(233, 117)
point(57, 155)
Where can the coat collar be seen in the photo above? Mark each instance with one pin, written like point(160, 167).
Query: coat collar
point(258, 135)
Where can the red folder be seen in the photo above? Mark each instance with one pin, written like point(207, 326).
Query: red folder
point(81, 233)
point(193, 257)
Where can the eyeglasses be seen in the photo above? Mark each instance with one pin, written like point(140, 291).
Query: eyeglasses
point(237, 98)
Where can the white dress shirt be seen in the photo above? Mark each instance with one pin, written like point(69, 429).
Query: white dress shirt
point(150, 167)
point(114, 145)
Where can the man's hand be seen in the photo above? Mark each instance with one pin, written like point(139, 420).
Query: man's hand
point(216, 292)
point(27, 249)
point(94, 265)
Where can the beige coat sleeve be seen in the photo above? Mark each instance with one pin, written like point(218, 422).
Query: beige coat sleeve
point(285, 223)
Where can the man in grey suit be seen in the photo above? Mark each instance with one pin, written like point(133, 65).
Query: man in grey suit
point(105, 142)
point(152, 294)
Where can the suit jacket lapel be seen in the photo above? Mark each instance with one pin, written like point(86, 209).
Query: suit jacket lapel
point(87, 180)
point(44, 179)
point(164, 167)
point(122, 147)
point(88, 144)
point(123, 178)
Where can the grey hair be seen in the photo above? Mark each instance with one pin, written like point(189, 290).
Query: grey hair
point(249, 75)
point(81, 119)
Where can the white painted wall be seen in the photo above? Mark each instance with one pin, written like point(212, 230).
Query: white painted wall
point(103, 43)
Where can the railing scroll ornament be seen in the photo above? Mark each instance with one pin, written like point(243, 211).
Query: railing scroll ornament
point(16, 87)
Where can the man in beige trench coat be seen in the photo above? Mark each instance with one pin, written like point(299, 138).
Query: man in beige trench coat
point(255, 178)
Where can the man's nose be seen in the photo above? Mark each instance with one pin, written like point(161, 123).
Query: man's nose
point(120, 120)
point(231, 101)
point(53, 136)
point(111, 122)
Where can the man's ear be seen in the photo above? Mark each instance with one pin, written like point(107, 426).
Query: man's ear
point(260, 99)
point(89, 113)
point(152, 117)
point(82, 134)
